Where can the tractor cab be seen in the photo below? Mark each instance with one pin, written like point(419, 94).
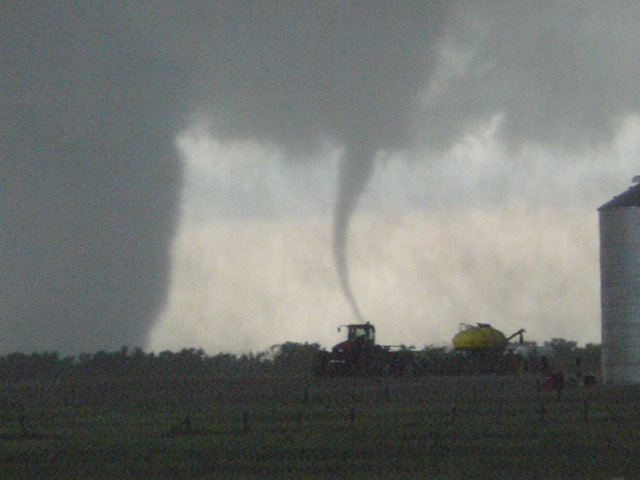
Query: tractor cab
point(365, 333)
point(359, 336)
point(358, 354)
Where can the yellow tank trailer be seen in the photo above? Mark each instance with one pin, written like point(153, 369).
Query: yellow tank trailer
point(486, 347)
point(483, 336)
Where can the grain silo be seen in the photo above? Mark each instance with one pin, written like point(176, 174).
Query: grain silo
point(620, 287)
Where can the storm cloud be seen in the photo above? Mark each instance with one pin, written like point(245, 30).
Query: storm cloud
point(563, 74)
point(298, 74)
point(526, 122)
point(94, 97)
point(89, 178)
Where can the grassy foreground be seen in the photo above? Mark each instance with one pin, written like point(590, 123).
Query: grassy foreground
point(302, 427)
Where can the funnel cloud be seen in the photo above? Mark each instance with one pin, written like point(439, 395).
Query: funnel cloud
point(299, 73)
point(355, 171)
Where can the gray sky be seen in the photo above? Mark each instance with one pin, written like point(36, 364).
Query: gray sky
point(89, 178)
point(176, 166)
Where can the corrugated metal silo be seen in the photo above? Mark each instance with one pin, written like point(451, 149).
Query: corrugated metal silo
point(620, 287)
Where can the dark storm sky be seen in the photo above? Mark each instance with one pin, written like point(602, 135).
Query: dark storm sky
point(89, 180)
point(94, 95)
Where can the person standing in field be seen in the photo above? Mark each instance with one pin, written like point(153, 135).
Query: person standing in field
point(551, 380)
point(577, 375)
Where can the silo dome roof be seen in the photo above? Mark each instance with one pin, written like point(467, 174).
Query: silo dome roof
point(630, 198)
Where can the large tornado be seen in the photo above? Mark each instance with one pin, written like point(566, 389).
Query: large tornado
point(93, 96)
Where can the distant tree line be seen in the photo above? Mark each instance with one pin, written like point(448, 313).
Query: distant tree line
point(288, 358)
point(284, 359)
point(564, 354)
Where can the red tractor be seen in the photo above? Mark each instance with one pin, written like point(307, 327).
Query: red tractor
point(359, 355)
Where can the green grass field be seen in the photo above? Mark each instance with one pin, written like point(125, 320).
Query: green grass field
point(303, 427)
